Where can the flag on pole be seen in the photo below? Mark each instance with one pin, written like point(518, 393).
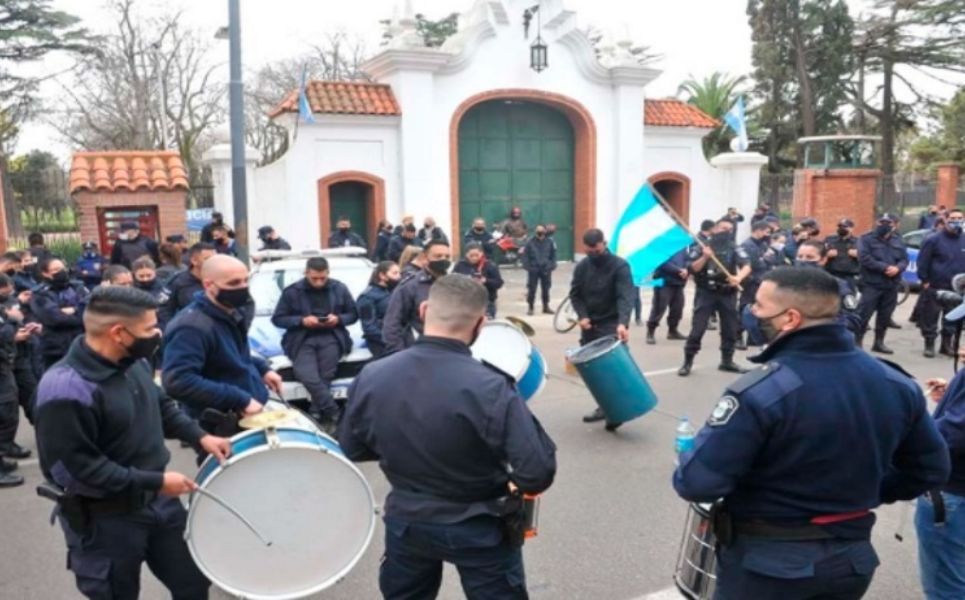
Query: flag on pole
point(646, 235)
point(304, 108)
point(736, 119)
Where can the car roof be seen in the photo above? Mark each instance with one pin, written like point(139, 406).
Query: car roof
point(284, 260)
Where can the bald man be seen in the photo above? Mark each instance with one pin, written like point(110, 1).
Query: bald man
point(207, 361)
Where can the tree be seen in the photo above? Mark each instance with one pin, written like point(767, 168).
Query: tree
point(801, 57)
point(714, 95)
point(152, 86)
point(433, 33)
point(947, 142)
point(38, 184)
point(894, 39)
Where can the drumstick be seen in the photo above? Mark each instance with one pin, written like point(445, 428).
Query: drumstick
point(220, 502)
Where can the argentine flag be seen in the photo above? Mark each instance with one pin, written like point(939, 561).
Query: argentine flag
point(304, 108)
point(646, 235)
point(737, 121)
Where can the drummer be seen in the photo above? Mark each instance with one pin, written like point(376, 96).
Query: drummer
point(101, 423)
point(802, 448)
point(449, 446)
point(602, 294)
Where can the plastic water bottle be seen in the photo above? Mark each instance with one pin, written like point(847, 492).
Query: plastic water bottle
point(685, 437)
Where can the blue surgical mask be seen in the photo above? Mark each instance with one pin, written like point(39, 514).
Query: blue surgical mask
point(954, 227)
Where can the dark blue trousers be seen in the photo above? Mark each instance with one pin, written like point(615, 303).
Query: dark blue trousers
point(489, 568)
point(106, 559)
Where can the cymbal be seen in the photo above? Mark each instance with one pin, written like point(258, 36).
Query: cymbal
point(266, 418)
point(523, 325)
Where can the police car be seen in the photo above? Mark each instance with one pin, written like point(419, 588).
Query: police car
point(913, 240)
point(273, 271)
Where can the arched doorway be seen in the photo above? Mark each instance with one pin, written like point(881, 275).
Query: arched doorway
point(675, 189)
point(524, 148)
point(355, 195)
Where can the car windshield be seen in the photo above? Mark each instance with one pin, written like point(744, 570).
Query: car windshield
point(266, 286)
point(913, 239)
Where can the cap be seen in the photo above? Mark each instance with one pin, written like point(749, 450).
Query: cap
point(809, 222)
point(89, 245)
point(177, 238)
point(127, 225)
point(888, 217)
point(845, 223)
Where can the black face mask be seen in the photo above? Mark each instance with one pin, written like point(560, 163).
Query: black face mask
point(439, 267)
point(597, 259)
point(233, 298)
point(806, 263)
point(479, 229)
point(882, 230)
point(59, 280)
point(719, 238)
point(768, 330)
point(4, 298)
point(344, 229)
point(842, 232)
point(10, 272)
point(540, 234)
point(143, 347)
point(144, 285)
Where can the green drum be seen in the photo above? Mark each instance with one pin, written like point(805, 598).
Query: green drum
point(614, 379)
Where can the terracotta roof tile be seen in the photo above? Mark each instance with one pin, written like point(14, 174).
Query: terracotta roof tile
point(127, 170)
point(343, 98)
point(676, 113)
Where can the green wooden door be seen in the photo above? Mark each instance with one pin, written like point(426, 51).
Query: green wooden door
point(517, 154)
point(349, 199)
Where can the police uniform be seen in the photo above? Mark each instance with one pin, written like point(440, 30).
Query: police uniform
point(449, 446)
point(100, 435)
point(879, 293)
point(780, 449)
point(843, 266)
point(714, 294)
point(758, 254)
point(177, 293)
point(402, 320)
point(941, 257)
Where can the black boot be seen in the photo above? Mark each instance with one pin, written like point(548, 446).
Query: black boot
point(728, 365)
point(593, 417)
point(650, 330)
point(929, 349)
point(687, 366)
point(946, 348)
point(879, 345)
point(10, 480)
point(740, 344)
point(16, 451)
point(529, 311)
point(893, 325)
point(673, 334)
point(546, 309)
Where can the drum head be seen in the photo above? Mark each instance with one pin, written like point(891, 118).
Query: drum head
point(314, 507)
point(503, 346)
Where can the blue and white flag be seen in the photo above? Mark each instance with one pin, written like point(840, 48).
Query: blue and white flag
point(304, 108)
point(736, 119)
point(646, 235)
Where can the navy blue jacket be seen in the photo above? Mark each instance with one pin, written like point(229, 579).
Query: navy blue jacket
point(670, 270)
point(822, 428)
point(539, 255)
point(453, 441)
point(479, 237)
point(382, 247)
point(397, 246)
point(207, 360)
point(177, 294)
point(402, 315)
point(950, 418)
point(89, 268)
point(295, 304)
point(942, 256)
point(487, 270)
point(340, 239)
point(756, 251)
point(877, 254)
point(59, 329)
point(927, 220)
point(372, 305)
point(842, 265)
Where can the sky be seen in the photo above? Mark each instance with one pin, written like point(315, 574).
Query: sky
point(694, 37)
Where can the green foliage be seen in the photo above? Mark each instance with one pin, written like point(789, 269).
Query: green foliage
point(435, 33)
point(38, 185)
point(714, 95)
point(68, 248)
point(947, 143)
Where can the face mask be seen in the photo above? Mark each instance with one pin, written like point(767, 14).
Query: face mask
point(806, 263)
point(4, 298)
point(144, 285)
point(439, 267)
point(778, 246)
point(143, 347)
point(426, 226)
point(721, 237)
point(391, 283)
point(597, 259)
point(59, 280)
point(954, 227)
point(768, 330)
point(842, 232)
point(344, 229)
point(882, 230)
point(10, 272)
point(479, 229)
point(233, 298)
point(540, 234)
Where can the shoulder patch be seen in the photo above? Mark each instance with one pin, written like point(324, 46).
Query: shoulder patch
point(849, 302)
point(725, 409)
point(62, 382)
point(752, 378)
point(741, 252)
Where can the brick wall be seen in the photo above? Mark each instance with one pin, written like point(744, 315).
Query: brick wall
point(831, 195)
point(172, 217)
point(946, 190)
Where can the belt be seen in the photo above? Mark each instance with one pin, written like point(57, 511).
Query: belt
point(118, 504)
point(814, 530)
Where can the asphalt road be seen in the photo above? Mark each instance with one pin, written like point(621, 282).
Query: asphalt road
point(611, 525)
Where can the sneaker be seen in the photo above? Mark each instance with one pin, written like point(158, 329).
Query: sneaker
point(10, 480)
point(17, 451)
point(593, 417)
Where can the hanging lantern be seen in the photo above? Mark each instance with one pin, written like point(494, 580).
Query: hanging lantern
point(538, 55)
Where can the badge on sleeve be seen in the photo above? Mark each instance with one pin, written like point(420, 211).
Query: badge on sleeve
point(849, 302)
point(725, 409)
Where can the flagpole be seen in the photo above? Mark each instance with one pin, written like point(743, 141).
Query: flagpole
point(673, 214)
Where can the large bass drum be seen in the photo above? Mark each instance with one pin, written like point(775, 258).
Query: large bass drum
point(695, 575)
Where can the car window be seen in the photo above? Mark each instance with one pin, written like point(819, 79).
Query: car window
point(266, 286)
point(913, 239)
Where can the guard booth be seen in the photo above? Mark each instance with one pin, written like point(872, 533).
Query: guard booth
point(838, 179)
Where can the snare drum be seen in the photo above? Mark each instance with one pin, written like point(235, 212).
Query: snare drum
point(297, 489)
point(697, 562)
point(613, 378)
point(504, 346)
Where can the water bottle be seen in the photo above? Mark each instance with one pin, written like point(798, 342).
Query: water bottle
point(685, 437)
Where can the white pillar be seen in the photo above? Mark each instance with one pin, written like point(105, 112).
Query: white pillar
point(629, 138)
point(218, 158)
point(740, 176)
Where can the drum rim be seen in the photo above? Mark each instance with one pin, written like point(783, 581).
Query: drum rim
point(529, 345)
point(328, 582)
point(593, 350)
point(536, 358)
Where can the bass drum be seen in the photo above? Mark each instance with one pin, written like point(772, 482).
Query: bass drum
point(312, 509)
point(695, 575)
point(503, 345)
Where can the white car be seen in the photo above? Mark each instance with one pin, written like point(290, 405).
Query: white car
point(273, 271)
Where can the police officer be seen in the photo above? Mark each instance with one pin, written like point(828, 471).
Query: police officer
point(779, 450)
point(942, 256)
point(480, 235)
point(883, 259)
point(399, 243)
point(842, 253)
point(10, 334)
point(131, 245)
point(101, 423)
point(180, 289)
point(373, 303)
point(716, 292)
point(484, 271)
point(270, 240)
point(144, 273)
point(58, 304)
point(314, 313)
point(382, 241)
point(539, 261)
point(430, 231)
point(758, 250)
point(602, 296)
point(344, 236)
point(403, 317)
point(452, 446)
point(670, 295)
point(90, 266)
